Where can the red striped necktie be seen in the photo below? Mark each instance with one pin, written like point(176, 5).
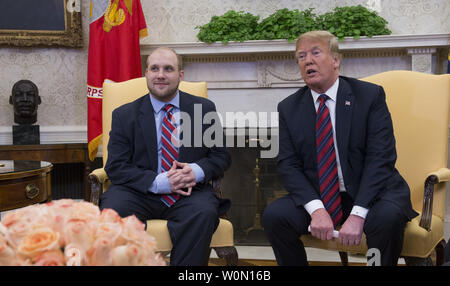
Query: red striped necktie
point(169, 149)
point(326, 162)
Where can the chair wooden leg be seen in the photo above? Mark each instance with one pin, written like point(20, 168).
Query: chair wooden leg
point(229, 253)
point(440, 252)
point(417, 261)
point(344, 258)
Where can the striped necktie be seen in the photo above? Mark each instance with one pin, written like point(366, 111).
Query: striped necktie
point(326, 162)
point(169, 149)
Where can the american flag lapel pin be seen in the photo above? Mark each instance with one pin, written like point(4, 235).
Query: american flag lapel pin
point(347, 103)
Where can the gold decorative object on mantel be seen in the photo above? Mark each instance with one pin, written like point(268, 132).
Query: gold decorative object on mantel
point(70, 36)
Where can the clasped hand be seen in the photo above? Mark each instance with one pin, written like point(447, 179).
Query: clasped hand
point(181, 178)
point(349, 234)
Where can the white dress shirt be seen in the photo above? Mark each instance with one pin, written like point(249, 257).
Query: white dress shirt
point(331, 104)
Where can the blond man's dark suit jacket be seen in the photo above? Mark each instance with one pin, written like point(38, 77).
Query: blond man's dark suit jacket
point(132, 149)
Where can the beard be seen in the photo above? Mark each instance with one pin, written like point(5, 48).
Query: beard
point(165, 93)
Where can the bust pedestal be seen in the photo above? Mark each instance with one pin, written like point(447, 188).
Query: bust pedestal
point(26, 135)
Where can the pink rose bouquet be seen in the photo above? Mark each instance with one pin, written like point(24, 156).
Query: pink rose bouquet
point(65, 232)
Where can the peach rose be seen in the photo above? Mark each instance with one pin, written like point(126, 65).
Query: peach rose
point(22, 221)
point(127, 255)
point(132, 229)
point(135, 255)
point(7, 254)
point(11, 218)
point(50, 258)
point(100, 253)
point(85, 210)
point(38, 241)
point(18, 231)
point(62, 203)
point(111, 231)
point(109, 215)
point(79, 232)
point(132, 222)
point(3, 231)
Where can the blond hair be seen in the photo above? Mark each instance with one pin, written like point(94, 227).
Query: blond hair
point(320, 36)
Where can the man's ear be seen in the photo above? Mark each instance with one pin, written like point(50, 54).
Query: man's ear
point(336, 61)
point(38, 99)
point(181, 75)
point(11, 100)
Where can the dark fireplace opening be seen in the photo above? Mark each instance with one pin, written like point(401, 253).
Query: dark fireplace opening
point(251, 183)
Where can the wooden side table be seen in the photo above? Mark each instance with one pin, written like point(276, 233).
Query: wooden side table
point(24, 183)
point(54, 153)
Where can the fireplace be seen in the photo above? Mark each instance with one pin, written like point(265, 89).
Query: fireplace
point(251, 182)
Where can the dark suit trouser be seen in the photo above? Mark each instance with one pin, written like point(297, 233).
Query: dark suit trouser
point(191, 220)
point(283, 223)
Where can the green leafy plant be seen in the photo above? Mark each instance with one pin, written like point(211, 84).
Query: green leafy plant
point(286, 24)
point(353, 21)
point(232, 26)
point(347, 21)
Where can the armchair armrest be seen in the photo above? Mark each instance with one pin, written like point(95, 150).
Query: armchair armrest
point(96, 179)
point(439, 176)
point(442, 175)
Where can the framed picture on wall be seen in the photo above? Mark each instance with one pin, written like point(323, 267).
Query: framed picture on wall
point(27, 23)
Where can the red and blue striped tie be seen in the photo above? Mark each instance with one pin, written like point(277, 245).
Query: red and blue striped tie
point(326, 162)
point(169, 149)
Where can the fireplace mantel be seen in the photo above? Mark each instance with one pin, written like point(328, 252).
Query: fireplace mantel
point(277, 46)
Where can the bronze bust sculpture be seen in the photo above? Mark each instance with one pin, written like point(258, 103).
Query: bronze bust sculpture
point(25, 98)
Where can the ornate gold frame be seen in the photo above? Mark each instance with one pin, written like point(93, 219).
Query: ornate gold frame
point(70, 37)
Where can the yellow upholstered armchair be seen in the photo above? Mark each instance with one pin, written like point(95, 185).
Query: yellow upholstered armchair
point(419, 105)
point(117, 94)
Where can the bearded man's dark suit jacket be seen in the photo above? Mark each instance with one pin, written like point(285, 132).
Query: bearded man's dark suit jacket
point(132, 167)
point(366, 146)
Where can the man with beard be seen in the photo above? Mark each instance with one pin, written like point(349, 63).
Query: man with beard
point(152, 175)
point(25, 99)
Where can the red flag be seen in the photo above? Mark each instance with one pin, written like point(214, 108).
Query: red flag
point(114, 32)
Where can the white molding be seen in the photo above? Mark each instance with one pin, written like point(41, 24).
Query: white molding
point(51, 134)
point(281, 46)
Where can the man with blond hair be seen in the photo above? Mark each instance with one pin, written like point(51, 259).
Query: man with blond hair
point(337, 161)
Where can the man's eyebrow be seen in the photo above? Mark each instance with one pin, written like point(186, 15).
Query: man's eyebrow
point(164, 66)
point(313, 48)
